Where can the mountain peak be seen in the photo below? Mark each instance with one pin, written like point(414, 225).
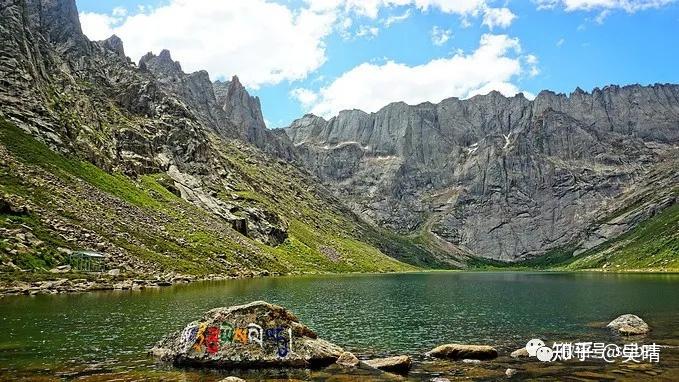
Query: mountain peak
point(161, 65)
point(114, 44)
point(235, 81)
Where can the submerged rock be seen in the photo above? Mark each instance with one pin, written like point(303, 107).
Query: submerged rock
point(461, 351)
point(519, 353)
point(254, 335)
point(347, 359)
point(398, 364)
point(629, 325)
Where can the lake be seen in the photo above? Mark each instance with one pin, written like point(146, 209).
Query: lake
point(103, 335)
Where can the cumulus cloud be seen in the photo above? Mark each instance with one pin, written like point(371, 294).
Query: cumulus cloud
point(305, 96)
point(98, 26)
point(492, 66)
point(440, 36)
point(263, 42)
point(498, 17)
point(532, 62)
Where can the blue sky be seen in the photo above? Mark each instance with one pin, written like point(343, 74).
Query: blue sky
point(327, 55)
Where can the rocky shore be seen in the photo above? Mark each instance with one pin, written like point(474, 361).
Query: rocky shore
point(106, 282)
point(262, 336)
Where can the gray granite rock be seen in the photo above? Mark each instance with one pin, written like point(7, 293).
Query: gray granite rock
point(500, 177)
point(629, 325)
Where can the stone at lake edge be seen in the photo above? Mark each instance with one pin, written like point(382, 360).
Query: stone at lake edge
point(461, 351)
point(629, 325)
point(519, 353)
point(246, 336)
point(347, 359)
point(398, 364)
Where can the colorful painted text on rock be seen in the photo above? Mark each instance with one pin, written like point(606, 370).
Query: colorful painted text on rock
point(202, 337)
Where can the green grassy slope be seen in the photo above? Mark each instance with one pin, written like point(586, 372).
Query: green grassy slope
point(149, 230)
point(653, 245)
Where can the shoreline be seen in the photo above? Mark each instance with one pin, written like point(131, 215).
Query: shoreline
point(63, 285)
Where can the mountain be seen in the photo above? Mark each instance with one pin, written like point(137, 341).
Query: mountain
point(166, 173)
point(507, 178)
point(172, 175)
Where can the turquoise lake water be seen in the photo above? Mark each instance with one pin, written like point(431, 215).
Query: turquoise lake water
point(368, 314)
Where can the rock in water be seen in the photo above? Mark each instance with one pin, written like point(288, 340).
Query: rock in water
point(398, 364)
point(519, 353)
point(347, 359)
point(460, 351)
point(254, 335)
point(629, 325)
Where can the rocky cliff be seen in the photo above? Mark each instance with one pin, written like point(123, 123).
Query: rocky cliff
point(161, 170)
point(503, 178)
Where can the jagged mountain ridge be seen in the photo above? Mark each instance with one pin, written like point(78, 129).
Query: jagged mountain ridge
point(502, 177)
point(419, 170)
point(184, 187)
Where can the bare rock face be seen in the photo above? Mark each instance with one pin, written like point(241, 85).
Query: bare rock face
point(629, 325)
point(115, 44)
point(245, 111)
point(500, 177)
point(87, 99)
point(254, 335)
point(462, 351)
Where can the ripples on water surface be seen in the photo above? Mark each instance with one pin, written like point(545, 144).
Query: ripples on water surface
point(368, 314)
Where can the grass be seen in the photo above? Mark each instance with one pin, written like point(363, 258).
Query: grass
point(651, 245)
point(32, 152)
point(145, 218)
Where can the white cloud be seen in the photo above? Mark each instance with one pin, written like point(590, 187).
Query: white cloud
point(492, 66)
point(461, 7)
point(629, 6)
point(601, 17)
point(305, 96)
point(396, 18)
point(261, 41)
point(371, 8)
point(440, 36)
point(367, 31)
point(119, 12)
point(532, 62)
point(498, 17)
point(97, 26)
point(560, 42)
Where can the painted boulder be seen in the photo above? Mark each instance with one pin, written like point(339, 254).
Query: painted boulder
point(254, 335)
